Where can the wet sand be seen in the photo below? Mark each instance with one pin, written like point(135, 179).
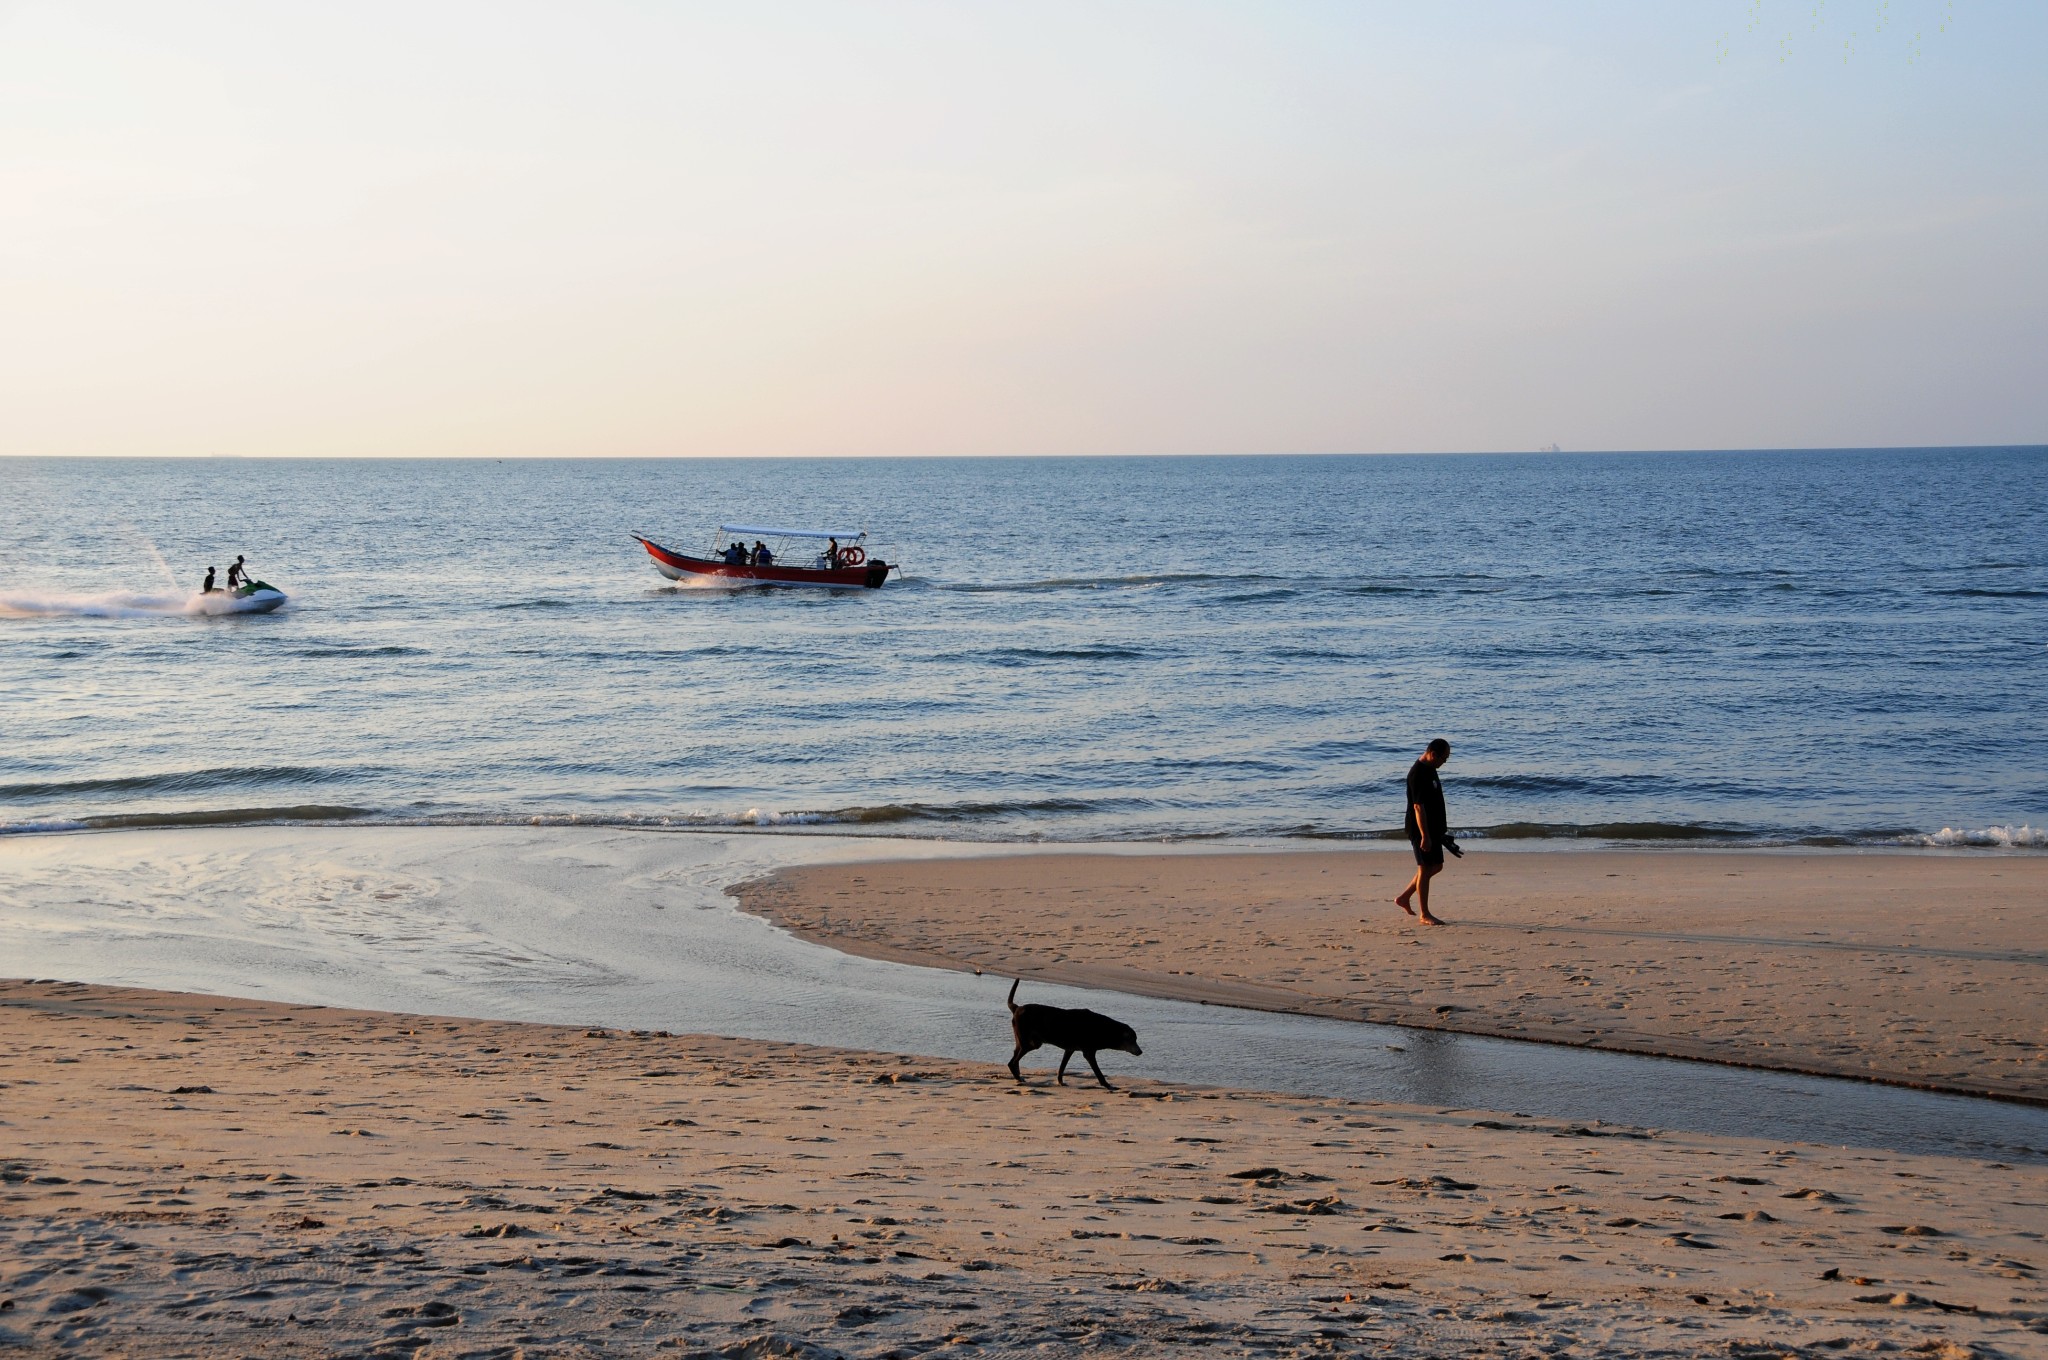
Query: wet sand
point(1921, 970)
point(192, 1176)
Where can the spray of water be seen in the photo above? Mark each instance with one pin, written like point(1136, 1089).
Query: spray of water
point(117, 604)
point(148, 545)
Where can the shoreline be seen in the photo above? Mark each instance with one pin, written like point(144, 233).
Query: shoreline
point(913, 912)
point(208, 1177)
point(1669, 953)
point(2017, 838)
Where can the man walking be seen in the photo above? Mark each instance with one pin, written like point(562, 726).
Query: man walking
point(1427, 828)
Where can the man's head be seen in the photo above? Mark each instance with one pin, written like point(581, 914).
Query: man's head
point(1437, 752)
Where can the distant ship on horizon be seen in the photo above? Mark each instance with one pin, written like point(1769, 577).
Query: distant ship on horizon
point(1550, 448)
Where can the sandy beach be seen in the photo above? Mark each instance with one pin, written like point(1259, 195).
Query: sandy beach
point(193, 1176)
point(1922, 970)
point(196, 1175)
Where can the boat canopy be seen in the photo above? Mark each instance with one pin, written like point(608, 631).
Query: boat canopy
point(843, 535)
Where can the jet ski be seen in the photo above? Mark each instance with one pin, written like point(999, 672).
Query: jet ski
point(251, 597)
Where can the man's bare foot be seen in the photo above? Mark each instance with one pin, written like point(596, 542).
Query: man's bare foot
point(1429, 920)
point(1402, 903)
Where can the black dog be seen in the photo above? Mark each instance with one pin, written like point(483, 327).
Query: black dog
point(1072, 1032)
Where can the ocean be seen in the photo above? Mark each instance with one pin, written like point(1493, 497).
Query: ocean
point(1832, 647)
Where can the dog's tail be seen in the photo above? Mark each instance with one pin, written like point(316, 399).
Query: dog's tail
point(1013, 993)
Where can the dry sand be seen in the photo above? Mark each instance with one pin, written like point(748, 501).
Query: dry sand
point(195, 1176)
point(1924, 970)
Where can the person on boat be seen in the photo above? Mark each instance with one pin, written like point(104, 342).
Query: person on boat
point(763, 557)
point(206, 588)
point(832, 553)
point(735, 555)
point(238, 575)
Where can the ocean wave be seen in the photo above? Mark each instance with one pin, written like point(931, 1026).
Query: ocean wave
point(1035, 820)
point(1617, 831)
point(296, 814)
point(183, 781)
point(1993, 593)
point(2021, 837)
point(859, 815)
point(342, 651)
point(1309, 831)
point(883, 814)
point(1690, 833)
point(1026, 655)
point(41, 826)
point(1560, 783)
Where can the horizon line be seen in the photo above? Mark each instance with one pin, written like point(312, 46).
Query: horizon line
point(1551, 451)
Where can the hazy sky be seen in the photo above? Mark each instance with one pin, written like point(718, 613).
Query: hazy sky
point(498, 228)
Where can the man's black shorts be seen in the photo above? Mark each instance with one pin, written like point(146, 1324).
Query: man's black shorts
point(1432, 858)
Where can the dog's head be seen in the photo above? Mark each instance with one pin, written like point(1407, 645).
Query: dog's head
point(1126, 1041)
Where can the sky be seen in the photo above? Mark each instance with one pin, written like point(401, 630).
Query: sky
point(443, 228)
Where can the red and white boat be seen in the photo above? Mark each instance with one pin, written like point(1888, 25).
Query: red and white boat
point(834, 560)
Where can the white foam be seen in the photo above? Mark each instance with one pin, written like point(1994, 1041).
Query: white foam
point(2003, 837)
point(688, 821)
point(114, 604)
point(764, 817)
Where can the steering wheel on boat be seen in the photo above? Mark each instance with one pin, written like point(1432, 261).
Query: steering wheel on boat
point(853, 556)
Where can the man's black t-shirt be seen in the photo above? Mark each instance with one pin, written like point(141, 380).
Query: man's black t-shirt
point(1424, 788)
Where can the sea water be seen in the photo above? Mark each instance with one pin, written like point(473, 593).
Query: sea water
point(1748, 647)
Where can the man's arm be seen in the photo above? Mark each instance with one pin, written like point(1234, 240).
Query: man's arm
point(1422, 825)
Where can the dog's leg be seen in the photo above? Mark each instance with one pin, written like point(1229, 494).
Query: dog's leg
point(1066, 1057)
point(1023, 1046)
point(1089, 1054)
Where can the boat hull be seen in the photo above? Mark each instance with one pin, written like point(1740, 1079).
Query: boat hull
point(705, 571)
point(260, 601)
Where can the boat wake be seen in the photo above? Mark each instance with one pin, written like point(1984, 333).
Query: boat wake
point(124, 604)
point(116, 604)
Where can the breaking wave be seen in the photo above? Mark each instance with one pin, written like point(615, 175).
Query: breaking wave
point(301, 814)
point(183, 781)
point(893, 814)
point(1036, 820)
point(2021, 837)
point(1618, 831)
